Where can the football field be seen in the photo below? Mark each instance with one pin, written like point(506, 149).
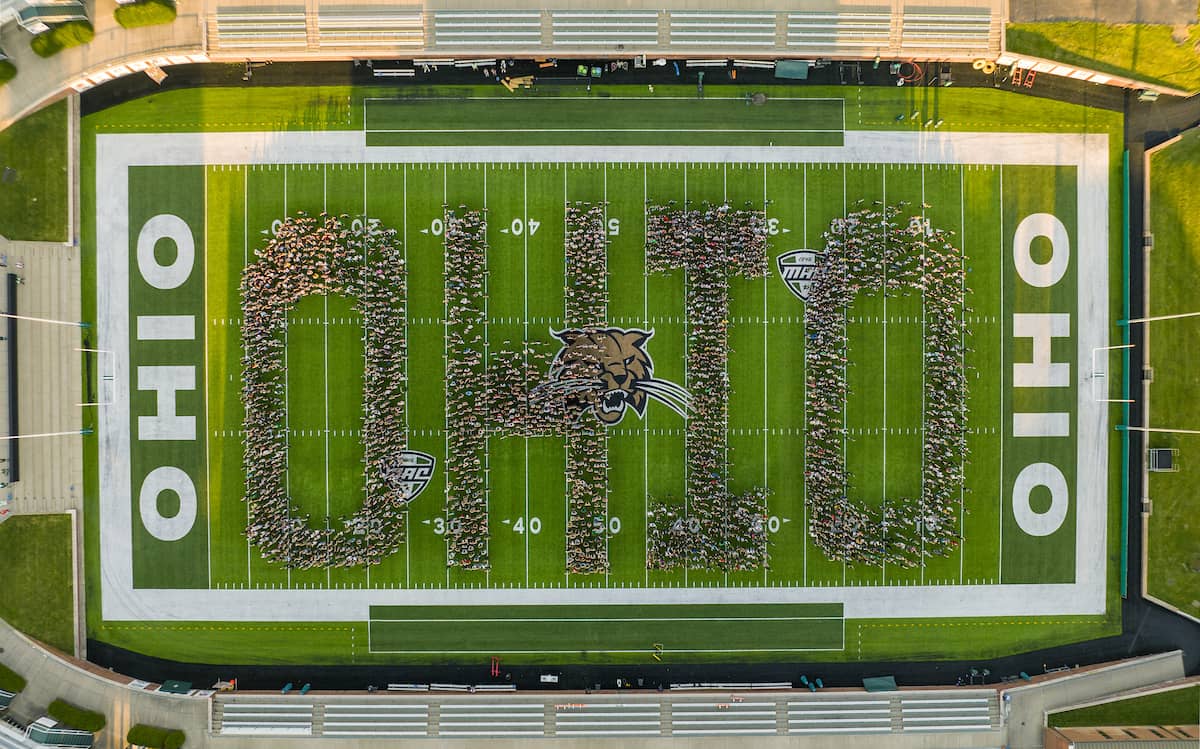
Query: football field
point(182, 216)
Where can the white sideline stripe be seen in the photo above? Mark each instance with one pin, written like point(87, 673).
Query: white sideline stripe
point(115, 153)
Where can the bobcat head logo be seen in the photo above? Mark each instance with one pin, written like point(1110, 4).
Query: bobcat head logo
point(606, 372)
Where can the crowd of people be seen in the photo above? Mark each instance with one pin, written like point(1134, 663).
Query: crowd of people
point(711, 243)
point(466, 385)
point(585, 302)
point(869, 252)
point(308, 256)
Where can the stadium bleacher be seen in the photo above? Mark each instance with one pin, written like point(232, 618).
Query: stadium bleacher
point(487, 29)
point(696, 28)
point(858, 32)
point(346, 28)
point(267, 718)
point(691, 710)
point(375, 720)
point(500, 719)
point(604, 28)
point(281, 27)
point(608, 719)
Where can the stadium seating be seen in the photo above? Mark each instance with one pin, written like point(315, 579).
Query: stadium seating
point(604, 29)
point(723, 718)
point(939, 713)
point(500, 719)
point(267, 718)
point(375, 720)
point(281, 27)
point(345, 28)
point(608, 719)
point(857, 33)
point(487, 28)
point(716, 29)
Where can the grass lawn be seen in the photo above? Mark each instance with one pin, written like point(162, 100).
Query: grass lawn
point(36, 597)
point(1174, 547)
point(34, 205)
point(1141, 51)
point(1178, 706)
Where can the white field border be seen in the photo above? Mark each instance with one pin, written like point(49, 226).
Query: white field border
point(120, 601)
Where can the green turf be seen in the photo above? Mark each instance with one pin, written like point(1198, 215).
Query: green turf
point(37, 594)
point(342, 107)
point(11, 681)
point(1143, 52)
point(581, 120)
point(34, 205)
point(1172, 707)
point(525, 283)
point(804, 199)
point(1174, 540)
point(577, 630)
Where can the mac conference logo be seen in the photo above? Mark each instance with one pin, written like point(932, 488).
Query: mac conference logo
point(410, 473)
point(798, 268)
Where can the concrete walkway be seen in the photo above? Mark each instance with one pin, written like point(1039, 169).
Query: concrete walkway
point(1026, 706)
point(51, 675)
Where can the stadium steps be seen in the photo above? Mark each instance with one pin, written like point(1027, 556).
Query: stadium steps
point(318, 720)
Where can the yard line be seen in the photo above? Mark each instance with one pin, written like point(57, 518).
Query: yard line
point(607, 483)
point(845, 400)
point(1000, 494)
point(804, 395)
point(287, 419)
point(325, 343)
point(566, 479)
point(885, 361)
point(207, 367)
point(525, 345)
point(765, 361)
point(487, 453)
point(962, 310)
point(645, 426)
point(245, 258)
point(404, 250)
point(686, 382)
point(446, 361)
point(923, 404)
